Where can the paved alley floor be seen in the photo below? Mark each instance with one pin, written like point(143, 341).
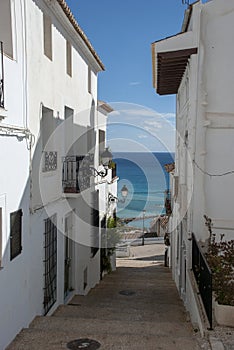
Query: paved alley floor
point(135, 307)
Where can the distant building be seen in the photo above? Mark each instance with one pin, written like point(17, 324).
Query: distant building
point(197, 65)
point(50, 232)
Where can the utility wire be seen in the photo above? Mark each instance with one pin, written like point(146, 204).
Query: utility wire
point(213, 175)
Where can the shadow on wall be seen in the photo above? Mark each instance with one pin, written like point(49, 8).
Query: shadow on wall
point(37, 221)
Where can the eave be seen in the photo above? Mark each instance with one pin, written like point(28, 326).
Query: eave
point(69, 15)
point(170, 58)
point(103, 106)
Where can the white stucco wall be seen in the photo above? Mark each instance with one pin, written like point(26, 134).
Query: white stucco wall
point(205, 114)
point(33, 81)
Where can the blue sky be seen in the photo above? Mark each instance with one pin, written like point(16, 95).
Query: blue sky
point(121, 33)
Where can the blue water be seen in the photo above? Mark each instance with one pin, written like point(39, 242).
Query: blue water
point(146, 179)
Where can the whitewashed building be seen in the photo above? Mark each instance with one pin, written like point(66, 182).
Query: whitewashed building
point(49, 198)
point(196, 65)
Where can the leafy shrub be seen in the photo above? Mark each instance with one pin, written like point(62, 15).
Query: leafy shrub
point(220, 257)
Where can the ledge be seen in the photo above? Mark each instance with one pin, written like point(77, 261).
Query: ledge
point(3, 113)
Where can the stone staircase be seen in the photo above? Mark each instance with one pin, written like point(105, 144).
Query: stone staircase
point(136, 307)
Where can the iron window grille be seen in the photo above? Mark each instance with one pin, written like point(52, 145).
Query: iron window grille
point(76, 173)
point(1, 77)
point(50, 264)
point(95, 223)
point(167, 202)
point(15, 233)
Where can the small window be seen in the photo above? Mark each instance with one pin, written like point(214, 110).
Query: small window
point(6, 27)
point(47, 26)
point(89, 80)
point(69, 58)
point(15, 233)
point(47, 125)
point(102, 139)
point(95, 223)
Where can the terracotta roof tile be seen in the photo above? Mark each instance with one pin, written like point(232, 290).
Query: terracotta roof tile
point(76, 26)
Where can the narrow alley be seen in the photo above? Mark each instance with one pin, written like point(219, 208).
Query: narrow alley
point(135, 307)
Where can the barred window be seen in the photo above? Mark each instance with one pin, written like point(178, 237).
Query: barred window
point(50, 264)
point(95, 223)
point(15, 233)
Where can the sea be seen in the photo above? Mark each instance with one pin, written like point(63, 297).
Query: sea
point(146, 179)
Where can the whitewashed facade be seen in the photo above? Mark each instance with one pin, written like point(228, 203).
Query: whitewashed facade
point(47, 207)
point(201, 73)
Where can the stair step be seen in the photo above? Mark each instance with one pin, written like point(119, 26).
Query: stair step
point(122, 327)
point(37, 339)
point(104, 312)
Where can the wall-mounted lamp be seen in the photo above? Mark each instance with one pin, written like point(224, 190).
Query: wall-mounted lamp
point(124, 194)
point(106, 158)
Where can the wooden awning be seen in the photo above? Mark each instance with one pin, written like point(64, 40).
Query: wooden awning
point(170, 70)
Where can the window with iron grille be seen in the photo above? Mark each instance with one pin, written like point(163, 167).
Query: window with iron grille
point(50, 264)
point(95, 223)
point(15, 233)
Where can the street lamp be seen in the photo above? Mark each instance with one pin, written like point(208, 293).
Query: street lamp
point(106, 158)
point(124, 194)
point(143, 238)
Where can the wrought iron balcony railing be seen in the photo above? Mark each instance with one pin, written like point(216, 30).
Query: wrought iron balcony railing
point(203, 276)
point(76, 174)
point(167, 203)
point(1, 77)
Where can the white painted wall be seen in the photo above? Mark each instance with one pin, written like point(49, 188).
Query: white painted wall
point(205, 112)
point(33, 81)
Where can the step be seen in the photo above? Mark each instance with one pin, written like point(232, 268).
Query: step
point(122, 314)
point(37, 339)
point(115, 327)
point(140, 299)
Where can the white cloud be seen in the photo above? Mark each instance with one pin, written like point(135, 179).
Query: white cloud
point(142, 124)
point(153, 123)
point(134, 83)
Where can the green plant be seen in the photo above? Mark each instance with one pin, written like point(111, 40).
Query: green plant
point(112, 238)
point(220, 257)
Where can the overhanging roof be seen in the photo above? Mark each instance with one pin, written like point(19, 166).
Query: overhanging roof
point(78, 29)
point(171, 68)
point(170, 56)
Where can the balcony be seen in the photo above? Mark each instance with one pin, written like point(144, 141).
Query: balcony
point(167, 202)
point(76, 174)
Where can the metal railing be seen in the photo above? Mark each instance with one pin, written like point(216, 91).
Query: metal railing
point(203, 276)
point(76, 176)
point(167, 202)
point(1, 77)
